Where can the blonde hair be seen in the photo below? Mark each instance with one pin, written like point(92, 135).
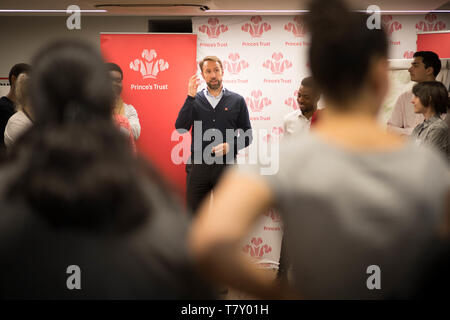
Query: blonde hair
point(210, 58)
point(21, 91)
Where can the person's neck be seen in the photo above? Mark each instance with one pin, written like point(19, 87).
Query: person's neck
point(215, 92)
point(308, 115)
point(11, 96)
point(429, 113)
point(428, 78)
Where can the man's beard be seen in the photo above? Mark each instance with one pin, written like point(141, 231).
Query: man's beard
point(306, 108)
point(214, 86)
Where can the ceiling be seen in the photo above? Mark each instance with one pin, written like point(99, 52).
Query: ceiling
point(148, 8)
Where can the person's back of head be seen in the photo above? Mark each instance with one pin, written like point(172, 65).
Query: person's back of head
point(430, 59)
point(343, 50)
point(78, 170)
point(17, 70)
point(21, 92)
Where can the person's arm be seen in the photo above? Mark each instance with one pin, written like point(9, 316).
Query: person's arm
point(395, 123)
point(216, 236)
point(185, 117)
point(438, 137)
point(133, 119)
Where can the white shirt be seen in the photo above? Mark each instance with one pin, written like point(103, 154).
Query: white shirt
point(295, 122)
point(213, 101)
point(131, 114)
point(16, 126)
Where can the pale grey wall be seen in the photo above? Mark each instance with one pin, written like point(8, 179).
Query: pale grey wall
point(21, 37)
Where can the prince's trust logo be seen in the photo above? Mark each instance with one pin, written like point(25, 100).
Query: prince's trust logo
point(149, 67)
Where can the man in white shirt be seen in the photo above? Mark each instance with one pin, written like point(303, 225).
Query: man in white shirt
point(300, 120)
point(425, 67)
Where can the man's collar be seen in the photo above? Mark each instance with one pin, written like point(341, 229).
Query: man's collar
point(210, 95)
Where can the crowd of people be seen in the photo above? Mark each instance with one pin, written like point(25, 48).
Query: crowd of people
point(352, 195)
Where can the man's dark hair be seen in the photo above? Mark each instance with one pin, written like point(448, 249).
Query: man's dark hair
point(430, 59)
point(114, 67)
point(342, 48)
point(310, 83)
point(432, 94)
point(17, 69)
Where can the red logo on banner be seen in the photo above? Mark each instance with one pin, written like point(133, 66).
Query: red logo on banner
point(292, 102)
point(235, 65)
point(297, 28)
point(430, 25)
point(277, 65)
point(408, 54)
point(275, 216)
point(149, 67)
point(256, 102)
point(390, 25)
point(213, 29)
point(277, 133)
point(255, 28)
point(256, 249)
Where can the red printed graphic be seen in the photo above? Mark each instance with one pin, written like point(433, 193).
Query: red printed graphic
point(274, 215)
point(277, 64)
point(235, 65)
point(297, 28)
point(274, 136)
point(292, 101)
point(408, 54)
point(257, 102)
point(213, 29)
point(430, 24)
point(149, 67)
point(256, 249)
point(255, 28)
point(390, 25)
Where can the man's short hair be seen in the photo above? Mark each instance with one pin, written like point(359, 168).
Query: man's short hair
point(17, 69)
point(310, 83)
point(210, 58)
point(114, 67)
point(430, 59)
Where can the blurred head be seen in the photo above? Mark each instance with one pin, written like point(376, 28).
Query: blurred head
point(430, 94)
point(212, 71)
point(346, 58)
point(16, 70)
point(308, 95)
point(77, 169)
point(116, 74)
point(425, 67)
point(21, 92)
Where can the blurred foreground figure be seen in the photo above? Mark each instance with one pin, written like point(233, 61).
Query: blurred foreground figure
point(361, 206)
point(79, 217)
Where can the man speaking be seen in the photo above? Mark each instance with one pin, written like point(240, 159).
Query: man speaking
point(220, 128)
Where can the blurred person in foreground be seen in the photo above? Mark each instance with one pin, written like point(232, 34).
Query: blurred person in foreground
point(22, 119)
point(351, 195)
point(74, 196)
point(431, 100)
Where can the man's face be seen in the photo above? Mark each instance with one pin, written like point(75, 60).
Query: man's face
point(116, 78)
point(418, 71)
point(212, 73)
point(307, 99)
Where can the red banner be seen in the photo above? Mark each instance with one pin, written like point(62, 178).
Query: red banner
point(156, 70)
point(438, 42)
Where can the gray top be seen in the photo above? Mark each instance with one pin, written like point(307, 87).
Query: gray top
point(345, 211)
point(433, 131)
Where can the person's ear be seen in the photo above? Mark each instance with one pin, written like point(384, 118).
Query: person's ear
point(429, 71)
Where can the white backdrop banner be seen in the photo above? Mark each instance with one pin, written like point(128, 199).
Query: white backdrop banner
point(265, 59)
